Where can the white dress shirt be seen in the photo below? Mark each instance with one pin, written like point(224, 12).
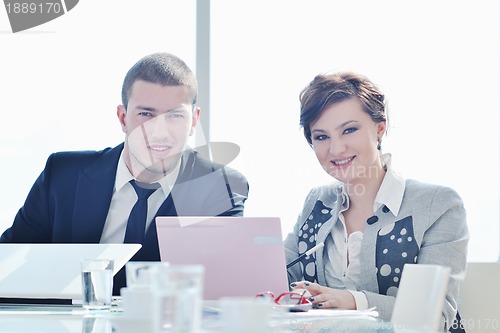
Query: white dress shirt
point(124, 198)
point(347, 248)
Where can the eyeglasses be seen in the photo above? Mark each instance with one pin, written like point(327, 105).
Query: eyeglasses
point(293, 301)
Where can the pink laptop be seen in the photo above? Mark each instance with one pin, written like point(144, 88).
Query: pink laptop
point(243, 256)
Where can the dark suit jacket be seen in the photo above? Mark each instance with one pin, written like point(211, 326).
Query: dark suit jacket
point(69, 201)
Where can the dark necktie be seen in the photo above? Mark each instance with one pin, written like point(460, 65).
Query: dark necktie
point(136, 225)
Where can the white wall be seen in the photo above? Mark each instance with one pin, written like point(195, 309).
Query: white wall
point(436, 61)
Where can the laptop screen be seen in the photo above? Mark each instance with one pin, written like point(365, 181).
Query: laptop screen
point(242, 256)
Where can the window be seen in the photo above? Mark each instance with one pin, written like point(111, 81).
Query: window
point(61, 81)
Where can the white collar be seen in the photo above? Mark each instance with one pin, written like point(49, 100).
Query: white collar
point(123, 176)
point(391, 190)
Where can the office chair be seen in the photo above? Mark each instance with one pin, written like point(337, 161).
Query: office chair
point(479, 298)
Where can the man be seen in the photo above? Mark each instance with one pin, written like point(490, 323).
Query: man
point(91, 196)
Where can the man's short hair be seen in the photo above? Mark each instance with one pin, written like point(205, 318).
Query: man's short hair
point(160, 68)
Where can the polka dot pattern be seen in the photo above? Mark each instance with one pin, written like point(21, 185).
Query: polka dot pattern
point(396, 246)
point(307, 238)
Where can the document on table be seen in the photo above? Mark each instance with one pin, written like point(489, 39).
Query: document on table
point(322, 320)
point(329, 313)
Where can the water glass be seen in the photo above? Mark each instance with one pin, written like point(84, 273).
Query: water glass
point(137, 296)
point(96, 325)
point(97, 283)
point(138, 272)
point(177, 301)
point(245, 315)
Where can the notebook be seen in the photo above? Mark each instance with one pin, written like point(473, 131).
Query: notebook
point(243, 256)
point(52, 271)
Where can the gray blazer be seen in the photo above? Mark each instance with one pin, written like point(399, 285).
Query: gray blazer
point(431, 218)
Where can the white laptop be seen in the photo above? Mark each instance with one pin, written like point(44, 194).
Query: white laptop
point(52, 271)
point(243, 256)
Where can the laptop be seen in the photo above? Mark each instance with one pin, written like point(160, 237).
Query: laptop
point(243, 256)
point(52, 271)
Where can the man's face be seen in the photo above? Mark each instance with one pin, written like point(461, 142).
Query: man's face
point(157, 124)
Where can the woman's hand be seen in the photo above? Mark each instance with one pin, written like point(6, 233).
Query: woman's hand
point(325, 297)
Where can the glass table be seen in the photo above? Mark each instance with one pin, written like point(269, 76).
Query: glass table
point(74, 319)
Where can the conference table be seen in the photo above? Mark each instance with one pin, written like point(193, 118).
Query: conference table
point(73, 319)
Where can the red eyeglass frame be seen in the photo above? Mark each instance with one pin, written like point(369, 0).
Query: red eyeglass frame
point(302, 304)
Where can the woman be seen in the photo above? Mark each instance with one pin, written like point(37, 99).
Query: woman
point(371, 220)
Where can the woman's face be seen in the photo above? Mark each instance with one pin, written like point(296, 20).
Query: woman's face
point(345, 141)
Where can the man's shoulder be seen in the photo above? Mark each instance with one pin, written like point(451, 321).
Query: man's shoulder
point(201, 166)
point(216, 188)
point(82, 157)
